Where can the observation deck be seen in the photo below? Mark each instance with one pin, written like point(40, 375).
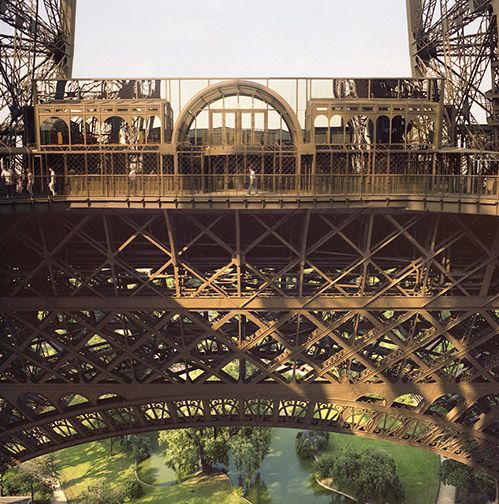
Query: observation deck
point(138, 295)
point(313, 143)
point(469, 194)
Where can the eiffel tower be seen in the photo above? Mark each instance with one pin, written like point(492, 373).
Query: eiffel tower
point(354, 288)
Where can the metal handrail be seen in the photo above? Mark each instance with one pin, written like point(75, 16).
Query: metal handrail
point(349, 184)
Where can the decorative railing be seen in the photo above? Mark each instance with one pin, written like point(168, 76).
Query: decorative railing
point(344, 185)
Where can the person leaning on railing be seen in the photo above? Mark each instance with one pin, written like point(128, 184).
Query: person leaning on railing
point(30, 180)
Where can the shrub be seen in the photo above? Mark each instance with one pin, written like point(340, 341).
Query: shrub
point(322, 468)
point(132, 489)
point(369, 475)
point(310, 442)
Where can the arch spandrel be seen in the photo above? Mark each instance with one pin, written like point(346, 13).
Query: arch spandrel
point(232, 88)
point(374, 421)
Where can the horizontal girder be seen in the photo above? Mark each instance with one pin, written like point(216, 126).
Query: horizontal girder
point(382, 323)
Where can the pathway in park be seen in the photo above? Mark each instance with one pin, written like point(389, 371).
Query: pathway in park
point(59, 496)
point(446, 493)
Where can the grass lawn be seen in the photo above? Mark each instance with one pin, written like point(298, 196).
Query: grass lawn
point(82, 464)
point(199, 489)
point(417, 469)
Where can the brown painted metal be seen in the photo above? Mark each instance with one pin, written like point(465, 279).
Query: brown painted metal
point(358, 293)
point(37, 41)
point(121, 320)
point(458, 41)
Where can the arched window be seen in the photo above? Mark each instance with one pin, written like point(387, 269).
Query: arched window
point(9, 414)
point(382, 130)
point(71, 400)
point(407, 401)
point(138, 130)
point(115, 130)
point(337, 129)
point(153, 130)
point(35, 403)
point(92, 131)
point(420, 132)
point(240, 104)
point(321, 125)
point(54, 131)
point(444, 404)
point(359, 130)
point(398, 130)
point(76, 131)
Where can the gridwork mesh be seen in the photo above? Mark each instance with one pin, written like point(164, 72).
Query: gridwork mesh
point(189, 164)
point(168, 165)
point(328, 171)
point(339, 162)
point(380, 163)
point(400, 162)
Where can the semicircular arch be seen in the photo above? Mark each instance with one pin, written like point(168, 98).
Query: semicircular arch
point(232, 88)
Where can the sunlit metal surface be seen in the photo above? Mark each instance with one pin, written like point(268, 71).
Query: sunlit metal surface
point(142, 288)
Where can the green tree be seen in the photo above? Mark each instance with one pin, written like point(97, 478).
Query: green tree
point(249, 447)
point(310, 442)
point(187, 449)
point(322, 467)
point(140, 446)
point(38, 478)
point(132, 489)
point(368, 475)
point(468, 481)
point(112, 442)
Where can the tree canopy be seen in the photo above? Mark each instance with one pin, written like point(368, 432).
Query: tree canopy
point(368, 475)
point(37, 477)
point(310, 442)
point(187, 449)
point(99, 492)
point(468, 480)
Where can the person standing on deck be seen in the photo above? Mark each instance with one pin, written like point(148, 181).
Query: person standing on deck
point(252, 183)
point(52, 182)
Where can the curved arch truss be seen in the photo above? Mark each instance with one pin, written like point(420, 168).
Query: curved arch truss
point(28, 438)
point(236, 88)
point(381, 323)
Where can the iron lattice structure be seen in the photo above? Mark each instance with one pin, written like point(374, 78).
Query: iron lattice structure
point(37, 41)
point(457, 40)
point(126, 308)
point(379, 323)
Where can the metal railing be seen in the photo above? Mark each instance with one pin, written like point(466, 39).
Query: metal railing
point(154, 185)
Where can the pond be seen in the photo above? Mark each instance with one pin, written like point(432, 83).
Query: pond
point(283, 477)
point(153, 469)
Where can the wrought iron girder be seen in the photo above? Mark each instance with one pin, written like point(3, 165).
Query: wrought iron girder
point(37, 43)
point(29, 23)
point(459, 43)
point(107, 343)
point(65, 424)
point(320, 308)
point(400, 258)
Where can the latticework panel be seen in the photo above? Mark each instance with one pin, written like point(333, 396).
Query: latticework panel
point(379, 322)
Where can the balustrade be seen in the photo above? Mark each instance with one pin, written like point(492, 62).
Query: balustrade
point(152, 185)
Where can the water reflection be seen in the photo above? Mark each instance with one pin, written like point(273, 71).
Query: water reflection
point(283, 477)
point(153, 470)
